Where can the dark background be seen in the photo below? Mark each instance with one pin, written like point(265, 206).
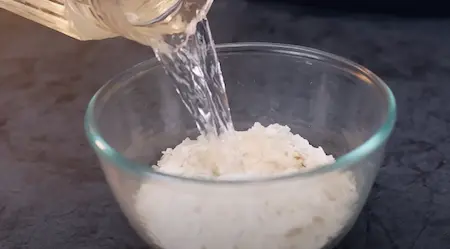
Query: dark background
point(432, 8)
point(53, 194)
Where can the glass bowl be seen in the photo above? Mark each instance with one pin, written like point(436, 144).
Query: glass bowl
point(332, 102)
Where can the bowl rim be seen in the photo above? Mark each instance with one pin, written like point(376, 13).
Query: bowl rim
point(105, 151)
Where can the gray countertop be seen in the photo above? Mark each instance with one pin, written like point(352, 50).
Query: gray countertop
point(53, 194)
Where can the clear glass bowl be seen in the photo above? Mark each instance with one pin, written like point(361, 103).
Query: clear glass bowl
point(332, 102)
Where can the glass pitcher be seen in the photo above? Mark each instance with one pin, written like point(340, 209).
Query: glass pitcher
point(144, 21)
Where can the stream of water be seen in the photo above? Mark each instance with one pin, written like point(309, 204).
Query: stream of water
point(195, 68)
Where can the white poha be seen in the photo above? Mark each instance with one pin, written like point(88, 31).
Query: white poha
point(299, 213)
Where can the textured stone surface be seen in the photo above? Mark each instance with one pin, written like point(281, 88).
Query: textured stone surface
point(52, 192)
